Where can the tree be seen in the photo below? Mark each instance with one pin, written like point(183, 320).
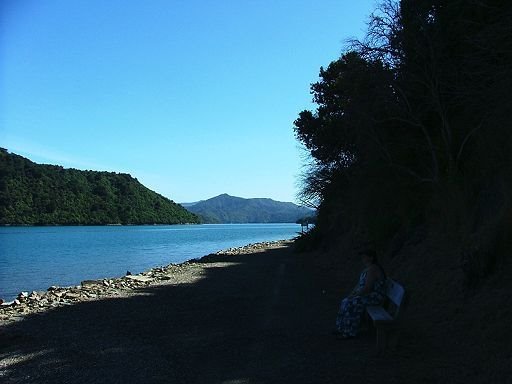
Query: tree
point(414, 119)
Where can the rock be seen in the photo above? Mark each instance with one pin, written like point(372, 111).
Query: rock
point(142, 279)
point(90, 283)
point(33, 296)
point(71, 295)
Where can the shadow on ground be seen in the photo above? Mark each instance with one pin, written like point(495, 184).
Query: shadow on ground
point(262, 319)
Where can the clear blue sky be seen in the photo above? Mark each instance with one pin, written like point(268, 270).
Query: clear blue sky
point(194, 97)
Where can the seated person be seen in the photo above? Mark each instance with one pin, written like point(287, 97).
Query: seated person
point(369, 291)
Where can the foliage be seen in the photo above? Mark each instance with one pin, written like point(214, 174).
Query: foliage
point(34, 194)
point(412, 124)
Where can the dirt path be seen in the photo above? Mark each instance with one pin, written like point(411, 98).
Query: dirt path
point(255, 318)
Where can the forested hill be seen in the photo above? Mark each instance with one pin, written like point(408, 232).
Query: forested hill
point(231, 209)
point(35, 194)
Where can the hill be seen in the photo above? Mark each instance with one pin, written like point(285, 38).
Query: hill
point(36, 194)
point(230, 209)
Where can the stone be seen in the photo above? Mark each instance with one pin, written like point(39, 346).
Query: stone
point(142, 279)
point(33, 296)
point(71, 295)
point(91, 283)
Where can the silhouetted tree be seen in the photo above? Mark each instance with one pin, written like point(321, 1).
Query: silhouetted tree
point(412, 116)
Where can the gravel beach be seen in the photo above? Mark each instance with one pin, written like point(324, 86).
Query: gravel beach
point(257, 314)
point(28, 303)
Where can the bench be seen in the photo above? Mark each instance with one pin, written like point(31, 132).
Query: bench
point(384, 317)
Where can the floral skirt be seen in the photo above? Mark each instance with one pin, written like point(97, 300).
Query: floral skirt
point(351, 310)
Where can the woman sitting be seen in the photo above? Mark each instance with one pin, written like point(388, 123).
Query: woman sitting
point(369, 291)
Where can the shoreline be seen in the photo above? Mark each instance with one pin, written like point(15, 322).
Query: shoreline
point(30, 303)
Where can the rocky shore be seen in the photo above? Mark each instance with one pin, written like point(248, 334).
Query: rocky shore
point(39, 301)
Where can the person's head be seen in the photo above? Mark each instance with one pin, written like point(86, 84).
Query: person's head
point(369, 256)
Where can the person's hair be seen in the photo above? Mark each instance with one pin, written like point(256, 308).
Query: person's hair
point(373, 255)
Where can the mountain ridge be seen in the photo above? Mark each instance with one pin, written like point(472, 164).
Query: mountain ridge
point(225, 209)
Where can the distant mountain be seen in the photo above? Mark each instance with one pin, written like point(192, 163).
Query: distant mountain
point(36, 194)
point(231, 209)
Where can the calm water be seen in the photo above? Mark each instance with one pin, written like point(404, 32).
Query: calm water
point(34, 258)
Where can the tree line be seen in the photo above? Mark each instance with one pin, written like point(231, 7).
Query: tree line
point(412, 129)
point(35, 194)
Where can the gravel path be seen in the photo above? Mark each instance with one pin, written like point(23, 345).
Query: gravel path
point(261, 315)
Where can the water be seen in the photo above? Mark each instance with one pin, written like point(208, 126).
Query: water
point(34, 258)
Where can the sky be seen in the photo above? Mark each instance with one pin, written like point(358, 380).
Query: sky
point(194, 98)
